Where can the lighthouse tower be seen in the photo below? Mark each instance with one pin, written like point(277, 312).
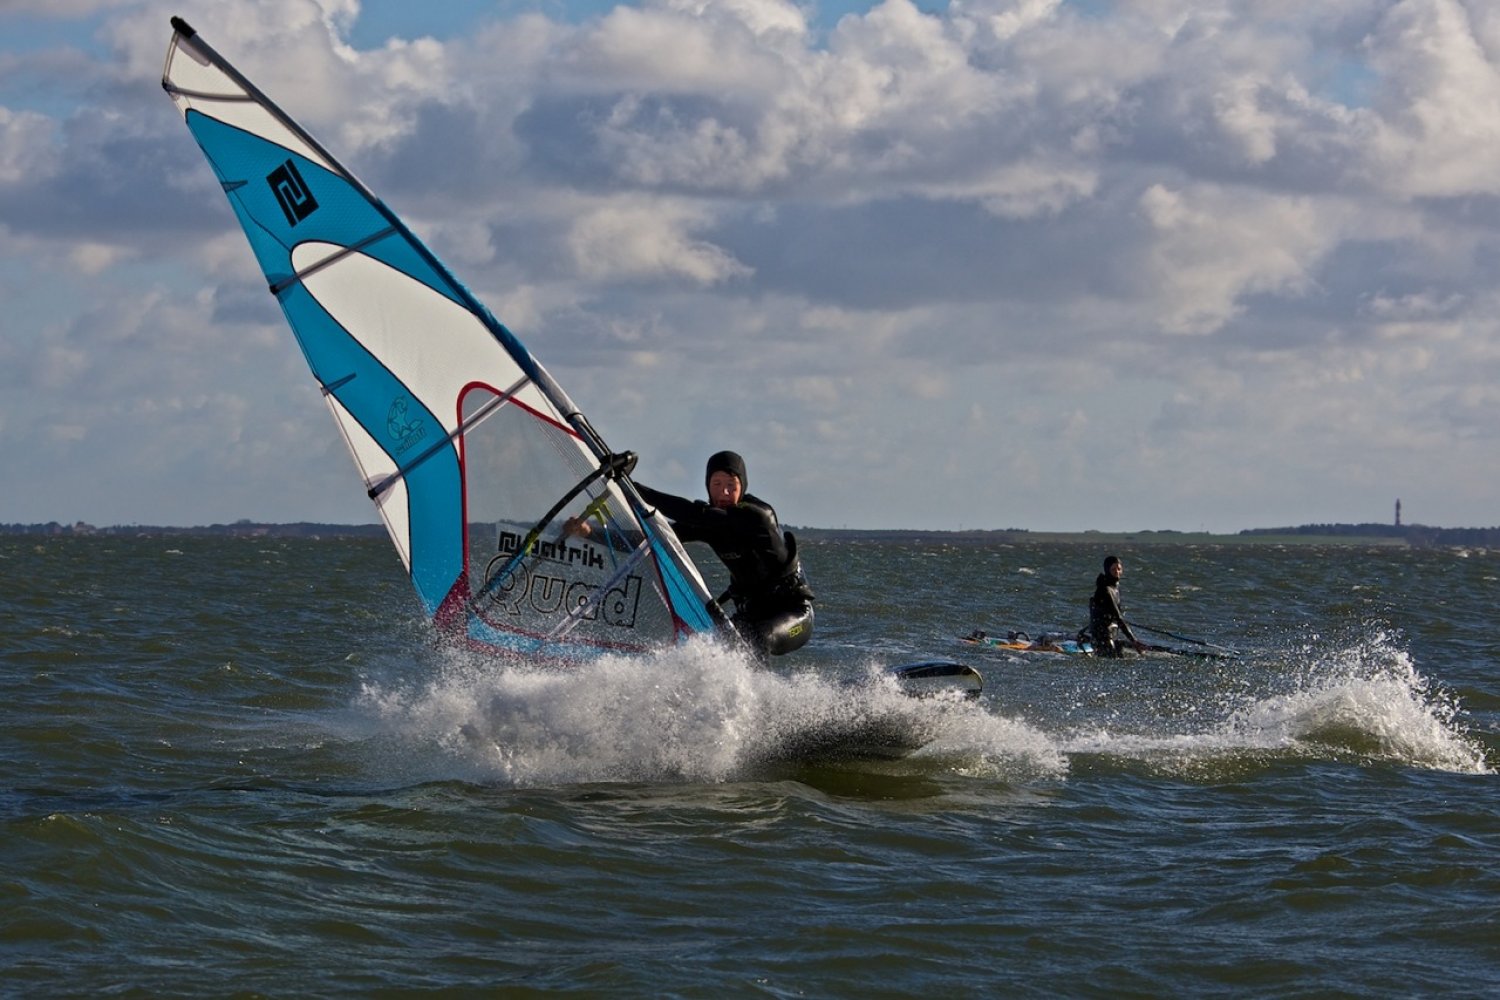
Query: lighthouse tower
point(1398, 513)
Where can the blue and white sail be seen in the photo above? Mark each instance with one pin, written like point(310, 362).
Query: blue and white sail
point(473, 455)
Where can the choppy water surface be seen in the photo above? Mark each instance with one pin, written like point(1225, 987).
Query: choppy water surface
point(240, 766)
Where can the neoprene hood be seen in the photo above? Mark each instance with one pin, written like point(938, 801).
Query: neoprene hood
point(727, 461)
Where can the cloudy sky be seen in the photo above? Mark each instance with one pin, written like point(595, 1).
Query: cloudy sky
point(1046, 264)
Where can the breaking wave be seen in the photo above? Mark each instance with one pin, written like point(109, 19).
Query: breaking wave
point(696, 712)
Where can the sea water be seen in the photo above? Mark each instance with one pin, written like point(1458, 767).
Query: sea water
point(241, 766)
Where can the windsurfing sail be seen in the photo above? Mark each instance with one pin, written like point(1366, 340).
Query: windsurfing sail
point(473, 455)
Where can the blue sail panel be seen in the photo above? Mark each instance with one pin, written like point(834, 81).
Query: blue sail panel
point(283, 198)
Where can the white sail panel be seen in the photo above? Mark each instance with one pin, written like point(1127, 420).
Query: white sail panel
point(203, 87)
point(377, 468)
point(432, 344)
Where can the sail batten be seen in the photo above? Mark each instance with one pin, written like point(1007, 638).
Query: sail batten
point(199, 95)
point(471, 452)
point(334, 257)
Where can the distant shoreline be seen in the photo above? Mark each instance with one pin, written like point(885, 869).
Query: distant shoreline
point(1379, 535)
point(1411, 535)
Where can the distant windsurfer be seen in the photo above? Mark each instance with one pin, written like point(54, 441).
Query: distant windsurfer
point(772, 599)
point(1106, 617)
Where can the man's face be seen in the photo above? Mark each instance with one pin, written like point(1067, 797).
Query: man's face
point(724, 489)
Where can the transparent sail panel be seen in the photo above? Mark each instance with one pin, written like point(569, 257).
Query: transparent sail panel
point(522, 476)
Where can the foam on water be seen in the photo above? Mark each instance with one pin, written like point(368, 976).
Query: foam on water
point(702, 713)
point(1368, 699)
point(698, 712)
point(1364, 699)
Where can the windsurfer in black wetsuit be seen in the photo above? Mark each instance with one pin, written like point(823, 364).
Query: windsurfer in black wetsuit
point(773, 603)
point(1106, 617)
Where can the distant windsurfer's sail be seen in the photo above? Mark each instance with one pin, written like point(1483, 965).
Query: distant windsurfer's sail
point(471, 452)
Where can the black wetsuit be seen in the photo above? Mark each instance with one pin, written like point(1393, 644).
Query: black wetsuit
point(773, 603)
point(1106, 616)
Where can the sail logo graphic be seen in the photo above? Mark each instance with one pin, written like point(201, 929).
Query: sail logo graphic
point(559, 551)
point(291, 193)
point(403, 428)
point(530, 592)
point(549, 590)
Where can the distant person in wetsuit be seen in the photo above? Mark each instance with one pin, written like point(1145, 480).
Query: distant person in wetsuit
point(1106, 617)
point(773, 603)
